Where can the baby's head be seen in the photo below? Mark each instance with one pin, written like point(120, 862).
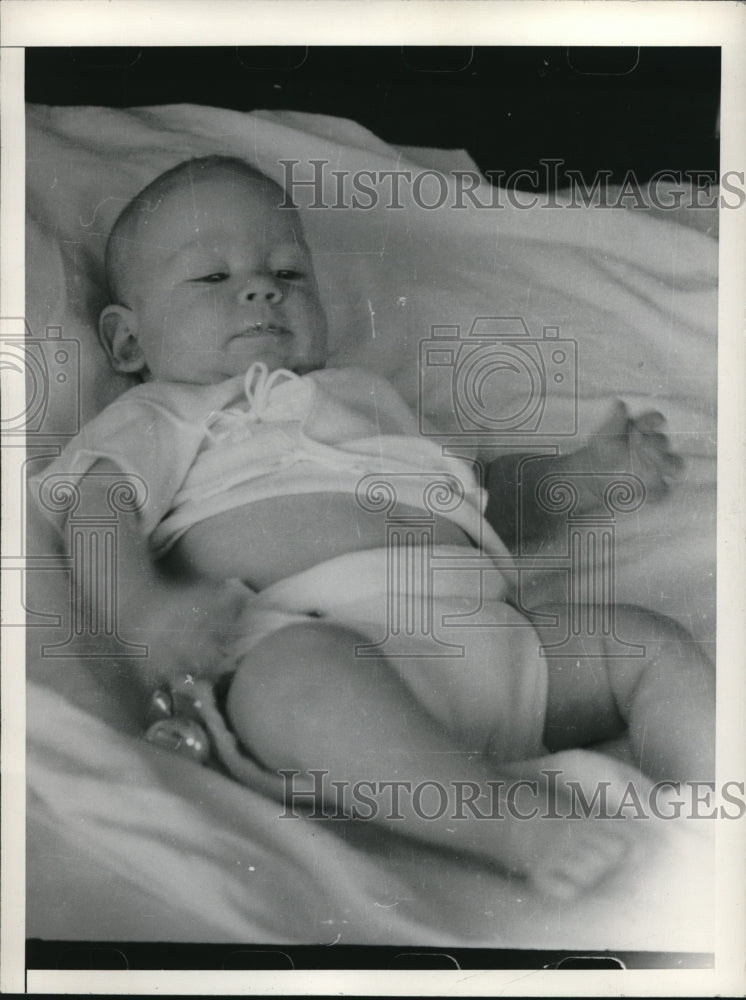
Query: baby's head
point(206, 275)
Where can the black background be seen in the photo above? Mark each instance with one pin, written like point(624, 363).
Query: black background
point(614, 109)
point(140, 955)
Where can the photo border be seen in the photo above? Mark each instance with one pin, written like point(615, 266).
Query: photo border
point(306, 22)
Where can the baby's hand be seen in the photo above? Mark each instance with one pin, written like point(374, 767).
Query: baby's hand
point(187, 628)
point(637, 445)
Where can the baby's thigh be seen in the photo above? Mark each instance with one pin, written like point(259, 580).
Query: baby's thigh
point(491, 693)
point(303, 697)
point(276, 692)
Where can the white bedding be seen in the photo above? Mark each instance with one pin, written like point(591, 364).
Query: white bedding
point(133, 844)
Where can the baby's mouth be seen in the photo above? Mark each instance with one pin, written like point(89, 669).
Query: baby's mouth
point(263, 329)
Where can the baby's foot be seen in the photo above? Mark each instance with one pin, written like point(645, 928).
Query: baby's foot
point(630, 444)
point(578, 857)
point(570, 852)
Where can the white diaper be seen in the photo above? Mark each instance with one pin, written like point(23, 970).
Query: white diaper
point(442, 621)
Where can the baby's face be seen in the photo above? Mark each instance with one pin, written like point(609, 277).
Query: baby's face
point(223, 278)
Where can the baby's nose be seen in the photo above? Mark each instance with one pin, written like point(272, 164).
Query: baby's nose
point(262, 288)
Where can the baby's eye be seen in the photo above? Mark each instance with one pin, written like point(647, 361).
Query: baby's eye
point(210, 279)
point(289, 274)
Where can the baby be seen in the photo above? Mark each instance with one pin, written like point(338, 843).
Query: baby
point(254, 454)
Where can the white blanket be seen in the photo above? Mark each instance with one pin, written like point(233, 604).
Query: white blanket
point(129, 843)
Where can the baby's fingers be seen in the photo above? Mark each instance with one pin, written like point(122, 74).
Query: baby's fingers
point(580, 866)
point(672, 465)
point(653, 448)
point(617, 424)
point(650, 422)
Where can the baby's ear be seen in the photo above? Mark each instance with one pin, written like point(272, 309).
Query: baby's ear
point(117, 331)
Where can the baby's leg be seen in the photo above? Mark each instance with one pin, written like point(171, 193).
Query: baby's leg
point(303, 701)
point(665, 699)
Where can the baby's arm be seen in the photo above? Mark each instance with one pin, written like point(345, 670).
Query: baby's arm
point(622, 444)
point(185, 626)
